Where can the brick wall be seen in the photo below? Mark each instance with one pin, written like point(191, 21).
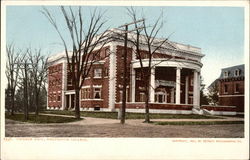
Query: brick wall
point(231, 84)
point(219, 108)
point(103, 81)
point(232, 97)
point(120, 71)
point(91, 103)
point(233, 101)
point(55, 85)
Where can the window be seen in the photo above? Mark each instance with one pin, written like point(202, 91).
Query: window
point(97, 93)
point(237, 88)
point(106, 72)
point(106, 53)
point(160, 97)
point(54, 97)
point(138, 75)
point(85, 94)
point(98, 73)
point(121, 94)
point(191, 82)
point(225, 88)
point(236, 72)
point(82, 93)
point(122, 54)
point(225, 74)
point(142, 97)
point(69, 81)
point(97, 108)
point(58, 98)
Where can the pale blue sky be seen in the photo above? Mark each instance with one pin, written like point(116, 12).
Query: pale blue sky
point(218, 31)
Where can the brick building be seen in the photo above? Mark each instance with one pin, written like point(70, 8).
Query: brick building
point(175, 82)
point(231, 87)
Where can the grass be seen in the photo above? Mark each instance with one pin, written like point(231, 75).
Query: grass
point(113, 115)
point(235, 116)
point(199, 123)
point(41, 118)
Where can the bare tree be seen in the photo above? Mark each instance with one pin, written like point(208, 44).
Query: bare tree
point(38, 73)
point(25, 78)
point(12, 72)
point(86, 45)
point(153, 45)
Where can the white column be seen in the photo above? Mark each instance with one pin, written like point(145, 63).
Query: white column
point(69, 101)
point(132, 84)
point(178, 86)
point(64, 84)
point(152, 85)
point(112, 76)
point(172, 96)
point(186, 89)
point(196, 89)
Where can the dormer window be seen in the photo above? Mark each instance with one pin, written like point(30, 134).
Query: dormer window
point(236, 72)
point(225, 74)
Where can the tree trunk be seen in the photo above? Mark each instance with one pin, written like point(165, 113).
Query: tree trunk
point(36, 101)
point(77, 104)
point(26, 108)
point(147, 119)
point(12, 101)
point(25, 102)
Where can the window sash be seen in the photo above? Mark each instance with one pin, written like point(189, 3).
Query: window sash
point(98, 73)
point(97, 93)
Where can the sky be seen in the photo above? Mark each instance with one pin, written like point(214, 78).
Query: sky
point(218, 31)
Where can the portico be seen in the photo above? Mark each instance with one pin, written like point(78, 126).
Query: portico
point(70, 99)
point(171, 82)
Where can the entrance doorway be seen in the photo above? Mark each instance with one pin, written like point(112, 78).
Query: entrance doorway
point(160, 97)
point(70, 99)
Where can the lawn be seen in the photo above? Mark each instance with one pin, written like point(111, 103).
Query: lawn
point(40, 118)
point(198, 123)
point(113, 115)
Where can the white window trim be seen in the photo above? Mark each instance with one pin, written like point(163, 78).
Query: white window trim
point(95, 92)
point(85, 86)
point(237, 71)
point(97, 86)
point(163, 94)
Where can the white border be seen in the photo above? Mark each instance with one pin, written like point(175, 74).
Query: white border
point(128, 148)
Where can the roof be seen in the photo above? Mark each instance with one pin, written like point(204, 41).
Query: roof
point(58, 56)
point(231, 71)
point(168, 44)
point(213, 84)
